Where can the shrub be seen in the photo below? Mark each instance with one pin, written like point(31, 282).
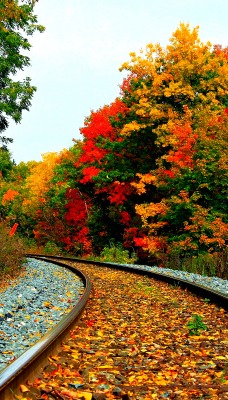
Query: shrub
point(12, 251)
point(117, 254)
point(51, 248)
point(209, 264)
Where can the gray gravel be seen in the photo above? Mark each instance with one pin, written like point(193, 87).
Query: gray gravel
point(212, 283)
point(33, 305)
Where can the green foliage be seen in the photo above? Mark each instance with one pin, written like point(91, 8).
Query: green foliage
point(16, 23)
point(196, 324)
point(19, 173)
point(116, 253)
point(11, 252)
point(215, 264)
point(51, 248)
point(6, 164)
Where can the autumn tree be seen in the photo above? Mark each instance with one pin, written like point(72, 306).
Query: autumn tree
point(22, 193)
point(180, 94)
point(13, 193)
point(61, 209)
point(17, 22)
point(108, 164)
point(143, 161)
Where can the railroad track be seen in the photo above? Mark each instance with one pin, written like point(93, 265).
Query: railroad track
point(30, 363)
point(200, 290)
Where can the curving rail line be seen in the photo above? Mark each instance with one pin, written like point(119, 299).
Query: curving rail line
point(30, 363)
point(200, 290)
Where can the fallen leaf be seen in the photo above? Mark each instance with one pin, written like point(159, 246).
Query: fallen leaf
point(24, 389)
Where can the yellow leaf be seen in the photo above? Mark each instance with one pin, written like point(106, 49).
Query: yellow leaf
point(86, 395)
point(75, 356)
point(131, 378)
point(23, 389)
point(220, 358)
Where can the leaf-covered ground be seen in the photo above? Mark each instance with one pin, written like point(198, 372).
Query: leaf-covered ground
point(7, 279)
point(133, 342)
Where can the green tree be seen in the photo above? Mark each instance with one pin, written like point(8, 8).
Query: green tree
point(17, 22)
point(6, 164)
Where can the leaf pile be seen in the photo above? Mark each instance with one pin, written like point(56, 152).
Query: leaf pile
point(133, 342)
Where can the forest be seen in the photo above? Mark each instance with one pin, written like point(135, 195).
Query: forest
point(147, 181)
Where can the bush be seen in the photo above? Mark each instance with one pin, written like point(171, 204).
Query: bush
point(12, 251)
point(51, 248)
point(117, 254)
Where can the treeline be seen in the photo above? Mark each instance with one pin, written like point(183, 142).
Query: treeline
point(150, 173)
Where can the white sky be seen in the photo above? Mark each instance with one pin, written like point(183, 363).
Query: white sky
point(75, 62)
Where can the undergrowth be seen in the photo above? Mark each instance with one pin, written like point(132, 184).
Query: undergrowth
point(12, 250)
point(208, 264)
point(117, 254)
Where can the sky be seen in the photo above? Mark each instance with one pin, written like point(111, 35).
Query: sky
point(75, 62)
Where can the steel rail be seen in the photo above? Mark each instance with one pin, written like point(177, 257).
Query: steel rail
point(200, 290)
point(30, 363)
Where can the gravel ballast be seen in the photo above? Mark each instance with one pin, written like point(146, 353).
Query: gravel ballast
point(32, 305)
point(213, 283)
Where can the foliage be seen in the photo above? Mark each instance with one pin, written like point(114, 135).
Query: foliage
point(209, 264)
point(38, 180)
point(6, 164)
point(17, 22)
point(117, 254)
point(181, 93)
point(12, 251)
point(154, 162)
point(9, 196)
point(196, 324)
point(150, 172)
point(14, 197)
point(51, 248)
point(59, 207)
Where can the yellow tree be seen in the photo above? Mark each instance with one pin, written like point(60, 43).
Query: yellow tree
point(38, 182)
point(180, 93)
